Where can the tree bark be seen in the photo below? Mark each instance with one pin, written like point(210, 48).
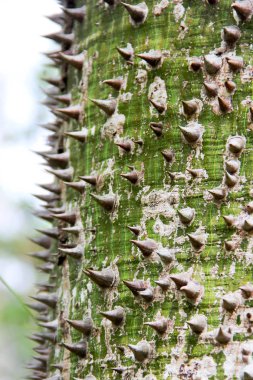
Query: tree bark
point(163, 105)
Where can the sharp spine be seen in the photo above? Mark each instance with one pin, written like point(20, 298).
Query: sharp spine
point(64, 98)
point(78, 135)
point(47, 299)
point(57, 210)
point(127, 53)
point(68, 217)
point(229, 220)
point(105, 278)
point(136, 285)
point(186, 215)
point(141, 351)
point(116, 316)
point(42, 255)
point(60, 367)
point(230, 85)
point(57, 82)
point(91, 179)
point(46, 268)
point(108, 201)
point(79, 349)
point(224, 104)
point(218, 193)
point(58, 18)
point(158, 106)
point(192, 290)
point(223, 336)
point(108, 105)
point(76, 252)
point(244, 9)
point(72, 230)
point(77, 14)
point(132, 176)
point(51, 232)
point(52, 187)
point(65, 38)
point(236, 144)
point(230, 302)
point(124, 145)
point(63, 174)
point(41, 308)
point(72, 112)
point(85, 326)
point(168, 155)
point(180, 279)
point(78, 186)
point(247, 290)
point(195, 173)
point(157, 128)
point(74, 60)
point(152, 58)
point(147, 294)
point(230, 179)
point(192, 134)
point(160, 325)
point(230, 245)
point(232, 166)
point(43, 241)
point(163, 283)
point(212, 63)
point(166, 255)
point(235, 63)
point(248, 224)
point(197, 240)
point(231, 34)
point(115, 83)
point(147, 247)
point(197, 324)
point(45, 286)
point(190, 107)
point(138, 13)
point(211, 89)
point(196, 64)
point(52, 325)
point(136, 230)
point(47, 336)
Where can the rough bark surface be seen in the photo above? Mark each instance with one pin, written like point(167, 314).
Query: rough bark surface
point(177, 123)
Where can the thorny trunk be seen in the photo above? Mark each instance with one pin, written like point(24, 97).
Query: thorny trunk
point(160, 130)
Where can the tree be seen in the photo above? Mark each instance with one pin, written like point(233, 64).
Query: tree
point(151, 206)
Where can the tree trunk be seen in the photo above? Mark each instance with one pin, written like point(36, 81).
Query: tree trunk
point(155, 239)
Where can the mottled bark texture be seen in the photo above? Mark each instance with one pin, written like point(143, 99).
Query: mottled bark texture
point(152, 201)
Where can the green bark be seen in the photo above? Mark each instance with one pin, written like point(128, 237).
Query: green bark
point(162, 189)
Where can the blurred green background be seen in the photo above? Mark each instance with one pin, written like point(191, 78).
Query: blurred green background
point(22, 65)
